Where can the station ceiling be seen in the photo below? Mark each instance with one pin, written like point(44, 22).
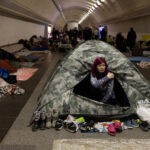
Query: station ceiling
point(59, 12)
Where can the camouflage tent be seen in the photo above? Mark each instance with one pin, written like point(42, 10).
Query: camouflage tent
point(58, 93)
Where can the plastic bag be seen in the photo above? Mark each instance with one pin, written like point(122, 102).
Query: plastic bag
point(143, 110)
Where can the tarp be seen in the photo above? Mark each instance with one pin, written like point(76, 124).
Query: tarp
point(58, 93)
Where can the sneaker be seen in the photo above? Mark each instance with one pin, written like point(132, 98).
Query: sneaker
point(36, 118)
point(59, 124)
point(71, 127)
point(54, 118)
point(48, 120)
point(134, 123)
point(129, 124)
point(104, 130)
point(83, 127)
point(144, 126)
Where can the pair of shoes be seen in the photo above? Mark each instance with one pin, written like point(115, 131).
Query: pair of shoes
point(131, 123)
point(39, 120)
point(144, 126)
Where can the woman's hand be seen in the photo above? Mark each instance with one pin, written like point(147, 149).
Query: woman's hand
point(110, 75)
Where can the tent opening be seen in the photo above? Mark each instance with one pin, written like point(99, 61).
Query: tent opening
point(85, 89)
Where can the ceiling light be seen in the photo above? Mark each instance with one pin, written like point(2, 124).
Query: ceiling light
point(91, 10)
point(95, 6)
point(102, 0)
point(98, 2)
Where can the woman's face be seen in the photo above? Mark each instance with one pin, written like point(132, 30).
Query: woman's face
point(101, 67)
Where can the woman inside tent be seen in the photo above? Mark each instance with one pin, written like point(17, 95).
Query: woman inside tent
point(101, 85)
point(103, 80)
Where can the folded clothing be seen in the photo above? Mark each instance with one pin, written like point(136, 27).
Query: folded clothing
point(11, 90)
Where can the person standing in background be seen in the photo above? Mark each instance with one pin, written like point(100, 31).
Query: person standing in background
point(131, 38)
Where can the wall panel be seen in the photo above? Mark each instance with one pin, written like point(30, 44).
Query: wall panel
point(11, 30)
point(141, 26)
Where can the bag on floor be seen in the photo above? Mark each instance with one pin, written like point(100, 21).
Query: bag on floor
point(143, 110)
point(4, 73)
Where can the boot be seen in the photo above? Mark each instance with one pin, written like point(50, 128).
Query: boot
point(36, 118)
point(43, 120)
point(54, 118)
point(48, 120)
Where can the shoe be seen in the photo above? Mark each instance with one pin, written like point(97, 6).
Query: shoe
point(43, 120)
point(54, 118)
point(83, 127)
point(124, 127)
point(144, 126)
point(90, 124)
point(129, 124)
point(59, 124)
point(36, 119)
point(104, 130)
point(35, 126)
point(42, 125)
point(91, 130)
point(117, 126)
point(71, 127)
point(134, 123)
point(48, 120)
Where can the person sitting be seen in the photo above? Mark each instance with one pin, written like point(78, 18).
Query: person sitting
point(102, 85)
point(103, 80)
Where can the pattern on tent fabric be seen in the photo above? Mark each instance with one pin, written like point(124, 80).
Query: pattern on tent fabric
point(58, 94)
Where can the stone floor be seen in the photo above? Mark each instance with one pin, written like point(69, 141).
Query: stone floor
point(21, 136)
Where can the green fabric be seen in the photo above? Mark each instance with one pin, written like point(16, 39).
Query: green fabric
point(81, 119)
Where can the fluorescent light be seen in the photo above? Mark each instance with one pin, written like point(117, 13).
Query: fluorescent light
point(102, 0)
point(95, 6)
point(98, 2)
